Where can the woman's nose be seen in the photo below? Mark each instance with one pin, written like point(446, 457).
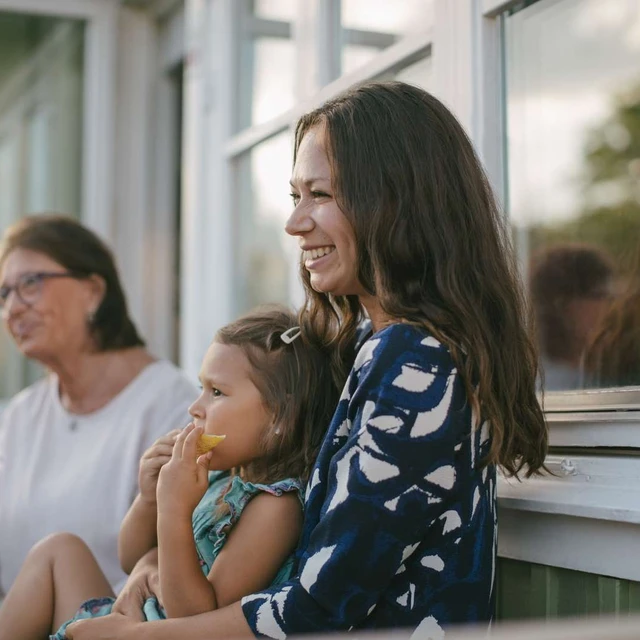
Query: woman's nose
point(299, 222)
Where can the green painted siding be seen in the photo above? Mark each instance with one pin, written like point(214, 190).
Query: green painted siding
point(528, 590)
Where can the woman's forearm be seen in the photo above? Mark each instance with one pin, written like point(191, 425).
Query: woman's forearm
point(184, 587)
point(227, 623)
point(137, 533)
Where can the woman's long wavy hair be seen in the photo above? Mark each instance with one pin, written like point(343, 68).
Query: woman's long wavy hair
point(434, 248)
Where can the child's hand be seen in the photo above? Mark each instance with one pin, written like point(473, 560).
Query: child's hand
point(185, 478)
point(157, 455)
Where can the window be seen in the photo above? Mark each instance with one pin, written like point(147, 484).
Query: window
point(275, 9)
point(573, 146)
point(266, 254)
point(369, 26)
point(41, 115)
point(267, 57)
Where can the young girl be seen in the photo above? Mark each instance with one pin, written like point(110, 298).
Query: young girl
point(271, 393)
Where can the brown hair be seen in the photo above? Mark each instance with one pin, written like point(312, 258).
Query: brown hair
point(435, 250)
point(559, 274)
point(296, 385)
point(73, 246)
point(613, 356)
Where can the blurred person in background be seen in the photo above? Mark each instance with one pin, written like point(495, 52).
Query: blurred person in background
point(71, 443)
point(612, 357)
point(571, 287)
point(395, 218)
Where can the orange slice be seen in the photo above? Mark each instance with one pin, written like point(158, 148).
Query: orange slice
point(206, 443)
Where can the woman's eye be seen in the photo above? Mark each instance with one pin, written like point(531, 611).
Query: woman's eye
point(30, 282)
point(320, 194)
point(295, 197)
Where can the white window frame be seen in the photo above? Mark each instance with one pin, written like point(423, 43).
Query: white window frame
point(99, 85)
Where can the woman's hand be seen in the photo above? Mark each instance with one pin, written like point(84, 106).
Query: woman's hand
point(143, 583)
point(111, 627)
point(153, 459)
point(185, 478)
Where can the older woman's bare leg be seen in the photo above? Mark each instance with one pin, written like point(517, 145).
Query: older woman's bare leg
point(58, 575)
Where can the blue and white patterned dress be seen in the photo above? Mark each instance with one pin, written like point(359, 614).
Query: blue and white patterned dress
point(210, 530)
point(400, 520)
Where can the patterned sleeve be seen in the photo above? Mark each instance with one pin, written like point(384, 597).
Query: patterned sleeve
point(385, 489)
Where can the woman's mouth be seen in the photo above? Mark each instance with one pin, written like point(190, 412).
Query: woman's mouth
point(312, 257)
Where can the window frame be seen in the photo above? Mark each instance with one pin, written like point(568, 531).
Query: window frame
point(99, 89)
point(594, 427)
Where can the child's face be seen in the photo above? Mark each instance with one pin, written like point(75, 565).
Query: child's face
point(231, 405)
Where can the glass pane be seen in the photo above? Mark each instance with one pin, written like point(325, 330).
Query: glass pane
point(419, 73)
point(41, 73)
point(573, 145)
point(275, 9)
point(268, 80)
point(387, 16)
point(266, 255)
point(355, 56)
point(369, 26)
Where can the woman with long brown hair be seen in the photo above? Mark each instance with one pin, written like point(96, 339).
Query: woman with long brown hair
point(396, 221)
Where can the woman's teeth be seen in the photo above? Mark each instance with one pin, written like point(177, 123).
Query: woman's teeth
point(317, 253)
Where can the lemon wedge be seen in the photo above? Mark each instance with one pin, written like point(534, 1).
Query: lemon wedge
point(206, 443)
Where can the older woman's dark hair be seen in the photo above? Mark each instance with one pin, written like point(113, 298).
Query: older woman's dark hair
point(73, 246)
point(435, 250)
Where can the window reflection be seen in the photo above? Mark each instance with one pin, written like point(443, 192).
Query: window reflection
point(369, 26)
point(266, 255)
point(573, 127)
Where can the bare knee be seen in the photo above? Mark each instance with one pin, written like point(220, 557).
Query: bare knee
point(58, 544)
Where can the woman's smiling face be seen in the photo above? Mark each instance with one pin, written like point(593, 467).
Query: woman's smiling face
point(326, 237)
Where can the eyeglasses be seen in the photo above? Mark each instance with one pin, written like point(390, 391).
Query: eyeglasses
point(28, 287)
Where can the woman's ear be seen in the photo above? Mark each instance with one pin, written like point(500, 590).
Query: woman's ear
point(97, 288)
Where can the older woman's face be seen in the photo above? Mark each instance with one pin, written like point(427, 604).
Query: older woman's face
point(326, 237)
point(55, 323)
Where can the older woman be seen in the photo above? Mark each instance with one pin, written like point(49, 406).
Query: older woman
point(394, 216)
point(70, 444)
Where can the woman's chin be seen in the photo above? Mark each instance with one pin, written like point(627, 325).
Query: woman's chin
point(32, 349)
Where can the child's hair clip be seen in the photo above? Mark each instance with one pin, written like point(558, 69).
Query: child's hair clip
point(290, 335)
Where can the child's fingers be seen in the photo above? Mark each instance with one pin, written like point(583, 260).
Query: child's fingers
point(158, 450)
point(204, 459)
point(170, 437)
point(159, 461)
point(189, 447)
point(180, 440)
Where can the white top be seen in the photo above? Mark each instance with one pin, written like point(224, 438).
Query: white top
point(79, 473)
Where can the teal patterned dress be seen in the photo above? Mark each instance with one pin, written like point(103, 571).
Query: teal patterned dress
point(210, 531)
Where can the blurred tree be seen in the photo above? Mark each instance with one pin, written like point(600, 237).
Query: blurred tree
point(611, 189)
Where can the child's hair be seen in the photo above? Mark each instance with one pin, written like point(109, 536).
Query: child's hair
point(296, 384)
